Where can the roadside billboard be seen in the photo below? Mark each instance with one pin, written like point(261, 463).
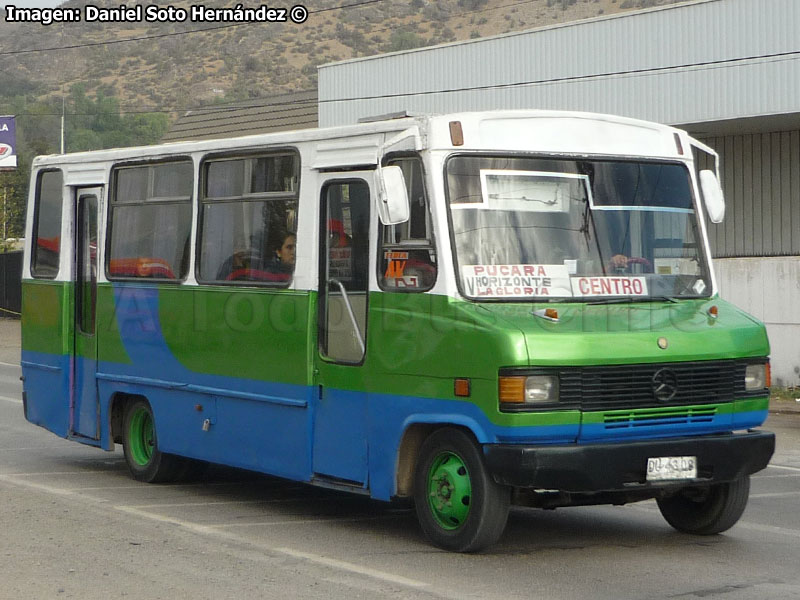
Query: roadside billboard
point(8, 143)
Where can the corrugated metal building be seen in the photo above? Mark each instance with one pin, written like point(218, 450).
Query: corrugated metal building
point(726, 70)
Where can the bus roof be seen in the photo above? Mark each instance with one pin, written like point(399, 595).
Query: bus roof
point(517, 130)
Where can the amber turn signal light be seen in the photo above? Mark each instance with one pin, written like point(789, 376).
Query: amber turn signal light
point(512, 390)
point(768, 375)
point(456, 133)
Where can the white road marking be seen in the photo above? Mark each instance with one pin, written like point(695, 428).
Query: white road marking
point(13, 479)
point(776, 494)
point(196, 527)
point(353, 568)
point(5, 364)
point(318, 559)
point(14, 400)
point(650, 506)
point(767, 528)
point(315, 558)
point(784, 467)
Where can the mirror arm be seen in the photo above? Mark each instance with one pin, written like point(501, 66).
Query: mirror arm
point(383, 197)
point(711, 152)
point(411, 132)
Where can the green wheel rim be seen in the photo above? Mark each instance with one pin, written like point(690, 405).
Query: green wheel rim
point(449, 490)
point(142, 437)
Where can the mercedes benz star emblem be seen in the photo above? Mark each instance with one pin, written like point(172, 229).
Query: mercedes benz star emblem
point(665, 385)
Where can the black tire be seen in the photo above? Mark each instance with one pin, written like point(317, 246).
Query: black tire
point(467, 511)
point(706, 510)
point(140, 445)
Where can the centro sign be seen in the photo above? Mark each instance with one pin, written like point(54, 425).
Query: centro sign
point(8, 141)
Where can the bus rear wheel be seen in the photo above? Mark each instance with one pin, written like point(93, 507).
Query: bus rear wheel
point(459, 506)
point(706, 510)
point(140, 445)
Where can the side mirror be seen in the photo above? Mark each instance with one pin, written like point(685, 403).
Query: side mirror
point(712, 196)
point(393, 206)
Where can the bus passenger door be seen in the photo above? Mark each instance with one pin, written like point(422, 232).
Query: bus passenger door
point(340, 421)
point(84, 405)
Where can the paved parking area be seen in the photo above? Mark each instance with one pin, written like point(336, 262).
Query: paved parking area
point(75, 525)
point(9, 341)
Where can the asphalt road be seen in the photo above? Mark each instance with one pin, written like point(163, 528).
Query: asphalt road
point(74, 525)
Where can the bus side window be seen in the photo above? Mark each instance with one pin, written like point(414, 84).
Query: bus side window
point(407, 252)
point(150, 220)
point(47, 225)
point(248, 216)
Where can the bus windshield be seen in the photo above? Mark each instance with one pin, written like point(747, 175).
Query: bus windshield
point(541, 228)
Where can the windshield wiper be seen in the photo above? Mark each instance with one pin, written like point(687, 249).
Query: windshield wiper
point(625, 300)
point(631, 299)
point(588, 219)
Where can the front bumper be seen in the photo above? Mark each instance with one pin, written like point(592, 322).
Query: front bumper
point(621, 466)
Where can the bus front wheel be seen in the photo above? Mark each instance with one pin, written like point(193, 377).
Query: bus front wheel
point(140, 445)
point(459, 506)
point(706, 510)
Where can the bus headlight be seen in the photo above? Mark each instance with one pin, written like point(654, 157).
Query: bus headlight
point(533, 389)
point(756, 377)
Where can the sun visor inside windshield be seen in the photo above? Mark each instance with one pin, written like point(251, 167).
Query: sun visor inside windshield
point(641, 186)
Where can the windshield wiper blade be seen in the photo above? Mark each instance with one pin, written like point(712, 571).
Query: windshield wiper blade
point(625, 300)
point(631, 299)
point(669, 299)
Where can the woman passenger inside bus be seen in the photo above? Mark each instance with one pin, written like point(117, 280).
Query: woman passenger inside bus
point(248, 265)
point(283, 260)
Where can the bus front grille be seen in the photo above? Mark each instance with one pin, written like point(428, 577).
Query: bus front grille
point(610, 387)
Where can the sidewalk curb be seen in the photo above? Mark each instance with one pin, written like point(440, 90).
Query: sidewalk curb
point(785, 407)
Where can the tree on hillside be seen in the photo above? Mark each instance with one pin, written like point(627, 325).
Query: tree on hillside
point(13, 191)
point(404, 40)
point(92, 123)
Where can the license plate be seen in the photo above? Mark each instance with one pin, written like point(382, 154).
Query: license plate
point(664, 468)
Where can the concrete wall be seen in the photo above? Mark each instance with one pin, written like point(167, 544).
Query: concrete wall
point(761, 179)
point(769, 289)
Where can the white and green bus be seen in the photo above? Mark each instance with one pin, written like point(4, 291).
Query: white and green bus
point(470, 310)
